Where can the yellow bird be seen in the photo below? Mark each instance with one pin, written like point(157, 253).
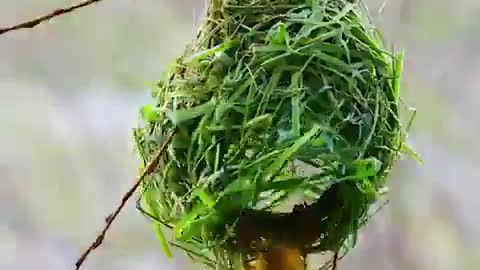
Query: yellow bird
point(278, 258)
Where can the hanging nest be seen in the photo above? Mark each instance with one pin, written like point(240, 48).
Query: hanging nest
point(275, 102)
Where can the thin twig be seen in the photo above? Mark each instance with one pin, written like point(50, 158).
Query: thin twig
point(55, 13)
point(335, 260)
point(150, 168)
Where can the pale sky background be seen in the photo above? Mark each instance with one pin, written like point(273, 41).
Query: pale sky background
point(70, 92)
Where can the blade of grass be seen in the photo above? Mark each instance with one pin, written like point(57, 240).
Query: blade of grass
point(397, 75)
point(287, 153)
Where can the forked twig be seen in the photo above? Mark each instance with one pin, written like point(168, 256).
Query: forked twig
point(55, 13)
point(149, 168)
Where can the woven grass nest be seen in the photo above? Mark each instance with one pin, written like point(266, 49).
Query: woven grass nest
point(275, 103)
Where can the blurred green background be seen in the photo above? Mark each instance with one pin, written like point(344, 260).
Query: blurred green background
point(70, 92)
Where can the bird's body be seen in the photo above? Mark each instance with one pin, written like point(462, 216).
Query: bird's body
point(278, 258)
point(281, 240)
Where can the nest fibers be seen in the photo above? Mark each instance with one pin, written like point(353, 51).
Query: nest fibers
point(267, 89)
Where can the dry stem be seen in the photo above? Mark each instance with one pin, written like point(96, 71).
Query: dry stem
point(55, 13)
point(150, 168)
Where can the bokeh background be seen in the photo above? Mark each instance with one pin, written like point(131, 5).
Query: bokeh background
point(69, 96)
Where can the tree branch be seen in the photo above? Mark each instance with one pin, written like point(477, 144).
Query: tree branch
point(149, 168)
point(334, 261)
point(55, 13)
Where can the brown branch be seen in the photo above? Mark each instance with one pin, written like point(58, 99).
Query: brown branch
point(335, 260)
point(150, 168)
point(55, 13)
